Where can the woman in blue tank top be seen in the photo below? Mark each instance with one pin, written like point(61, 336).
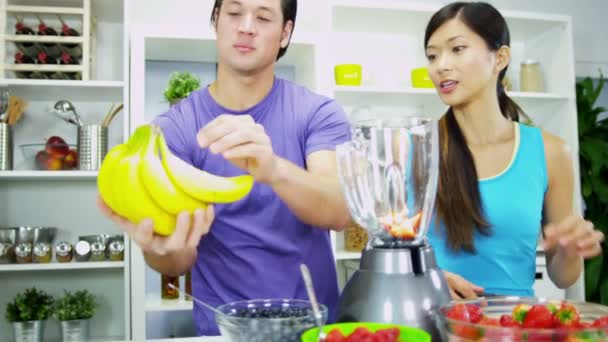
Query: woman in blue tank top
point(501, 183)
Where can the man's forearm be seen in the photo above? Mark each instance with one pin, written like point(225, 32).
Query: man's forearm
point(172, 265)
point(314, 199)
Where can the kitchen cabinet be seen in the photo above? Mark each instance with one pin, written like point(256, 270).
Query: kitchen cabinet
point(386, 38)
point(66, 199)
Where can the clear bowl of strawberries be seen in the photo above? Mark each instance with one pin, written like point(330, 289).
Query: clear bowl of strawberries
point(524, 319)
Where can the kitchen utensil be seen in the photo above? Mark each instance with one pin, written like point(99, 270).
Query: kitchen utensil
point(313, 300)
point(388, 173)
point(65, 110)
point(208, 306)
point(92, 146)
point(4, 98)
point(348, 74)
point(16, 108)
point(6, 147)
point(111, 114)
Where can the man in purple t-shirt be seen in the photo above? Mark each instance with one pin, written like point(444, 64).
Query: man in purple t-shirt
point(249, 121)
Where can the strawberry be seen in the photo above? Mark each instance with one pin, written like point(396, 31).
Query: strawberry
point(459, 312)
point(335, 335)
point(475, 313)
point(538, 317)
point(519, 312)
point(507, 321)
point(567, 316)
point(404, 229)
point(489, 321)
point(601, 322)
point(388, 335)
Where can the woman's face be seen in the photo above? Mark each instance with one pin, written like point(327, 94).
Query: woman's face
point(461, 66)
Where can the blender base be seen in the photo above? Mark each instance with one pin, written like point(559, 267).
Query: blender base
point(399, 286)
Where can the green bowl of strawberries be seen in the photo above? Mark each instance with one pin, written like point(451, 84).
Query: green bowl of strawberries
point(366, 331)
point(524, 319)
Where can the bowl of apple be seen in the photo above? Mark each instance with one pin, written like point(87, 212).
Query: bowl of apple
point(53, 155)
point(524, 319)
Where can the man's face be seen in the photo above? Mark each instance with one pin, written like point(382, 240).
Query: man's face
point(250, 33)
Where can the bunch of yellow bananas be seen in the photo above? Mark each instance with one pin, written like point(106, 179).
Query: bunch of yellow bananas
point(137, 183)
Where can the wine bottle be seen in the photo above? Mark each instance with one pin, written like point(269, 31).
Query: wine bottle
point(51, 49)
point(75, 50)
point(43, 58)
point(28, 48)
point(21, 58)
point(66, 59)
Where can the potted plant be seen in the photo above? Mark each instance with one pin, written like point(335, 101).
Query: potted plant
point(28, 311)
point(593, 158)
point(181, 84)
point(75, 310)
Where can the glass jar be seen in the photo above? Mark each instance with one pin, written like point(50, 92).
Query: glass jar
point(98, 251)
point(531, 77)
point(188, 285)
point(7, 253)
point(82, 250)
point(42, 253)
point(168, 292)
point(23, 252)
point(63, 252)
point(117, 250)
point(355, 238)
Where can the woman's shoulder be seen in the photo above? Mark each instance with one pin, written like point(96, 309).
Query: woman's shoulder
point(558, 153)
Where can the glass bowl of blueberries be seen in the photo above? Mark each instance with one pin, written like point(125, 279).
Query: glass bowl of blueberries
point(267, 320)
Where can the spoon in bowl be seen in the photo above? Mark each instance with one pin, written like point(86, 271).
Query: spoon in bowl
point(313, 300)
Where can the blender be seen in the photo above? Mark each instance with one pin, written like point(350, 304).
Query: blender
point(388, 173)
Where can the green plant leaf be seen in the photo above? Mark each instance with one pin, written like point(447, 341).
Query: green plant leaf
point(75, 305)
point(180, 85)
point(593, 268)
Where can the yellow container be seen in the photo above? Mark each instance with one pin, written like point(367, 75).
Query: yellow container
point(421, 78)
point(348, 74)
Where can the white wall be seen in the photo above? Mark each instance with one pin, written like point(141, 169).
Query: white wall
point(591, 44)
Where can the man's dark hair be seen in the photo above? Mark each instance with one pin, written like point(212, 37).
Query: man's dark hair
point(289, 7)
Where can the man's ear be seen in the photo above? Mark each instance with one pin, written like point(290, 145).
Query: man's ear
point(286, 35)
point(503, 58)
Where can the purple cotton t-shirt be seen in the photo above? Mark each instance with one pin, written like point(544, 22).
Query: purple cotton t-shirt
point(256, 245)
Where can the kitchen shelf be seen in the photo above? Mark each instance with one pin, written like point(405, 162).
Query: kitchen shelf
point(344, 255)
point(45, 9)
point(51, 90)
point(432, 93)
point(158, 304)
point(47, 175)
point(43, 39)
point(74, 265)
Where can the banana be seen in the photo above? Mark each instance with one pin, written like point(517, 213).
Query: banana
point(169, 197)
point(200, 184)
point(138, 203)
point(105, 179)
point(136, 184)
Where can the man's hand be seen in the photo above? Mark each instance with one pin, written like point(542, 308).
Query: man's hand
point(243, 142)
point(180, 245)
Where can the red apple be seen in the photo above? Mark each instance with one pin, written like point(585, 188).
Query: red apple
point(56, 146)
point(41, 158)
point(70, 160)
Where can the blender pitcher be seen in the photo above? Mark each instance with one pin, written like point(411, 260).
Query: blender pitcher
point(388, 173)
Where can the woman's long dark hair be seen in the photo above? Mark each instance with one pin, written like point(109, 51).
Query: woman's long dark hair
point(459, 204)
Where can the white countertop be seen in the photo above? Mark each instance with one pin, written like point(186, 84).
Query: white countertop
point(194, 339)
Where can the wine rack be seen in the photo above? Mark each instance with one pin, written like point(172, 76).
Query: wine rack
point(47, 42)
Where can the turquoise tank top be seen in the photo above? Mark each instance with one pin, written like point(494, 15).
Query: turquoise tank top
point(512, 202)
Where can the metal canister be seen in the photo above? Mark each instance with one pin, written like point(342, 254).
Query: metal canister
point(6, 147)
point(92, 146)
point(117, 250)
point(23, 251)
point(82, 250)
point(63, 252)
point(42, 253)
point(98, 251)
